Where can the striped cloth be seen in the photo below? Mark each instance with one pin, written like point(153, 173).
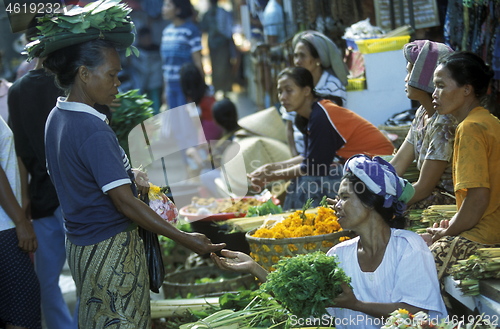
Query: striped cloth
point(424, 55)
point(381, 178)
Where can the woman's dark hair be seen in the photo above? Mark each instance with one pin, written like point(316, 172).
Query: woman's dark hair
point(185, 8)
point(64, 63)
point(225, 115)
point(376, 202)
point(303, 78)
point(467, 68)
point(310, 47)
point(192, 82)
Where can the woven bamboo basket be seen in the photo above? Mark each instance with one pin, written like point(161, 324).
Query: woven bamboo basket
point(181, 283)
point(268, 251)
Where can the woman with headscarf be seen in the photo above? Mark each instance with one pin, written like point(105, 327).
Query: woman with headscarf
point(390, 268)
point(430, 138)
point(332, 135)
point(315, 52)
point(93, 177)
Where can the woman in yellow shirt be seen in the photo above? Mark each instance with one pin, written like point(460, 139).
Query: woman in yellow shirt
point(461, 81)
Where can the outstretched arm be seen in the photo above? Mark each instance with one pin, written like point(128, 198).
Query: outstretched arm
point(239, 262)
point(139, 212)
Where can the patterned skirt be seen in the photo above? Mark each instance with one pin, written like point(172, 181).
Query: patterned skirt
point(112, 282)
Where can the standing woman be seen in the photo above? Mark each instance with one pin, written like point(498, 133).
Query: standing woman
point(180, 44)
point(218, 24)
point(332, 134)
point(461, 81)
point(314, 51)
point(430, 138)
point(95, 185)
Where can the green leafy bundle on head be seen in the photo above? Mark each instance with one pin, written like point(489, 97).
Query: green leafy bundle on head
point(306, 284)
point(105, 19)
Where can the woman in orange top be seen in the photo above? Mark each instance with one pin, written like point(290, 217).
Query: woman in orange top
point(332, 134)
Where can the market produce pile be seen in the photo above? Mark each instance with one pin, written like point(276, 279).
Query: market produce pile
point(300, 224)
point(218, 206)
point(401, 318)
point(267, 208)
point(306, 284)
point(303, 286)
point(485, 264)
point(421, 219)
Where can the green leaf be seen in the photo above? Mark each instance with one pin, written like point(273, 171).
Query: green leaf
point(136, 53)
point(80, 28)
point(97, 20)
point(70, 19)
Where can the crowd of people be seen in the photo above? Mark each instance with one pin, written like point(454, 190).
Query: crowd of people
point(69, 193)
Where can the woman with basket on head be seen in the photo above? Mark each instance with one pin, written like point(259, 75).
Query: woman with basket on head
point(92, 175)
point(462, 80)
point(430, 138)
point(390, 268)
point(332, 134)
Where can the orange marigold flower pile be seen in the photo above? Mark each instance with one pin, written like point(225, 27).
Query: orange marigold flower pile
point(295, 225)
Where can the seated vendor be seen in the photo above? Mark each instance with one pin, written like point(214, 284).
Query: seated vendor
point(331, 133)
point(462, 80)
point(390, 268)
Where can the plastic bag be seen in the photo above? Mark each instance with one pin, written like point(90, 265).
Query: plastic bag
point(154, 258)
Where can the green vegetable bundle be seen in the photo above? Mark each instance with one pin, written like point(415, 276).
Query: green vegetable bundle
point(134, 109)
point(263, 311)
point(105, 19)
point(306, 284)
point(484, 264)
point(266, 208)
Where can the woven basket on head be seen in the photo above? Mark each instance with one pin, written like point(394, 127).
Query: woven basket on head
point(268, 251)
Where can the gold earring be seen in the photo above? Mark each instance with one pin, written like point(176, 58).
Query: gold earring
point(317, 63)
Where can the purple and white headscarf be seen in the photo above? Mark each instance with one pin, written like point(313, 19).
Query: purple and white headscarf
point(424, 55)
point(381, 178)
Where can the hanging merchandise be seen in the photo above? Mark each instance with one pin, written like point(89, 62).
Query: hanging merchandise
point(474, 25)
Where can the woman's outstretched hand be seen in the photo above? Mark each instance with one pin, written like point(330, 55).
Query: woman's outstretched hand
point(235, 261)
